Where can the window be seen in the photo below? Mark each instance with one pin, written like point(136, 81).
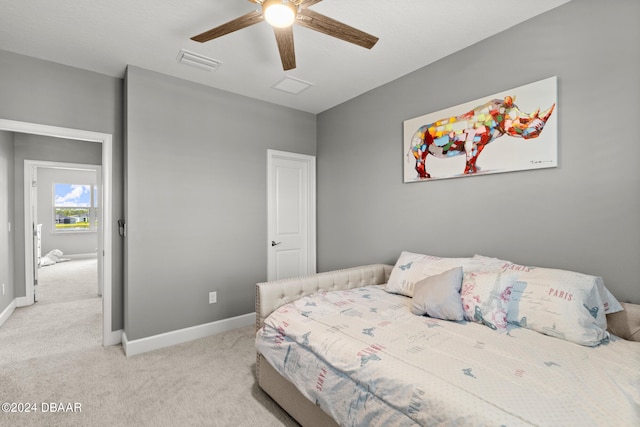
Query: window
point(74, 207)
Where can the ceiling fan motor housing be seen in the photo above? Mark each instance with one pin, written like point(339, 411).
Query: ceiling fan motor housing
point(279, 13)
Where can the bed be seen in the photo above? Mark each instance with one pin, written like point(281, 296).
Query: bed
point(362, 346)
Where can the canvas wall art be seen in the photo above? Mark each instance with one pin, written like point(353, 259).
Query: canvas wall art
point(508, 131)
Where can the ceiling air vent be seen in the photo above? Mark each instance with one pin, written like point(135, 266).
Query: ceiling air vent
point(292, 85)
point(198, 61)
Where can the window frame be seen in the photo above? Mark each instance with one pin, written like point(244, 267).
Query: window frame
point(92, 210)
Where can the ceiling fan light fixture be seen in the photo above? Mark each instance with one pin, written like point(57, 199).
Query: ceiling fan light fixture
point(279, 13)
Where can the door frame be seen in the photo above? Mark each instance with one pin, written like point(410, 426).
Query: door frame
point(311, 206)
point(109, 337)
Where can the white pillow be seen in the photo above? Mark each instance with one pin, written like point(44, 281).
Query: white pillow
point(411, 268)
point(439, 296)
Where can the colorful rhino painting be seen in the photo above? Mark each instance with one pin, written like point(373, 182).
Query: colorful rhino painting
point(469, 133)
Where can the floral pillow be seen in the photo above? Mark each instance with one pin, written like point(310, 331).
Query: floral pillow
point(485, 297)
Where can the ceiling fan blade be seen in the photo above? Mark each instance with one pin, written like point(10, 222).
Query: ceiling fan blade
point(284, 37)
point(306, 3)
point(324, 24)
point(234, 25)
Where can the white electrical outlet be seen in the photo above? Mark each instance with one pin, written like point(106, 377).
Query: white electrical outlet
point(213, 297)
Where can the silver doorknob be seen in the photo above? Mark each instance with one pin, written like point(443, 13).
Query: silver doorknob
point(274, 243)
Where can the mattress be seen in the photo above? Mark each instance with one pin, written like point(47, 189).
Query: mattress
point(367, 361)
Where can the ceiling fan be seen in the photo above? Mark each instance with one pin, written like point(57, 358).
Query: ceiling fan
point(282, 14)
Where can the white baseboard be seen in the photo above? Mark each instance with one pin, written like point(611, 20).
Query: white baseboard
point(23, 301)
point(7, 312)
point(114, 338)
point(155, 342)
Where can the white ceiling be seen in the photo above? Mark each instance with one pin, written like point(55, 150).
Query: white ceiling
point(106, 35)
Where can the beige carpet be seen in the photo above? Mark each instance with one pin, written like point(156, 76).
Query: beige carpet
point(51, 353)
point(68, 281)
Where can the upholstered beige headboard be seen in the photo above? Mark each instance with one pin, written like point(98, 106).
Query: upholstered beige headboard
point(272, 295)
point(625, 324)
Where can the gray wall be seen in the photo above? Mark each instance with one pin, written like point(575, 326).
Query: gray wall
point(583, 215)
point(196, 199)
point(70, 243)
point(43, 92)
point(6, 218)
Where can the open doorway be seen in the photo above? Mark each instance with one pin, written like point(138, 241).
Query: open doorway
point(104, 252)
point(66, 209)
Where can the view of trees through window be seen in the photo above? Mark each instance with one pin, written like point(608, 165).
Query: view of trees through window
point(74, 207)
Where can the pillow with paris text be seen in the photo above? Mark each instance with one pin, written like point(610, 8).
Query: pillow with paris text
point(564, 304)
point(485, 297)
point(610, 303)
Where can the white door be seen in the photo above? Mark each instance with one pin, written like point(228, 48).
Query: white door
point(291, 229)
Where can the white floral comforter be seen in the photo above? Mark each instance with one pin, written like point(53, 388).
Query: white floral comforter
point(367, 361)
